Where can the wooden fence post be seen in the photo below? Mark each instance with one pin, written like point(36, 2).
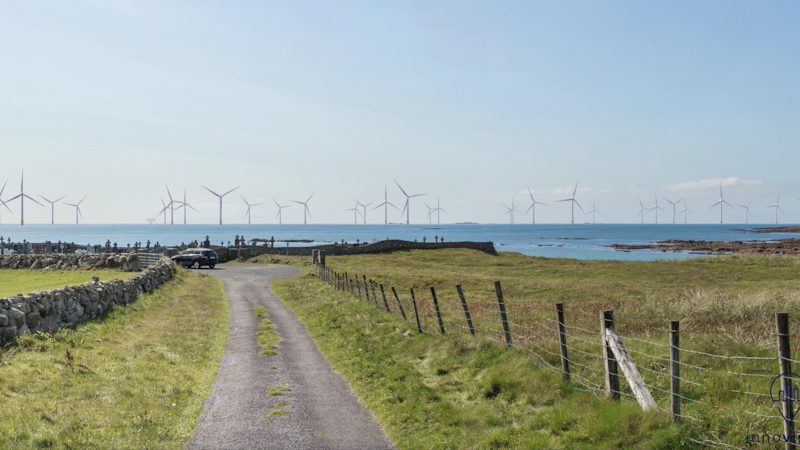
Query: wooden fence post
point(784, 358)
point(436, 306)
point(385, 303)
point(322, 257)
point(345, 281)
point(466, 309)
point(416, 313)
point(366, 289)
point(503, 318)
point(351, 286)
point(562, 338)
point(374, 297)
point(399, 305)
point(358, 286)
point(609, 360)
point(675, 367)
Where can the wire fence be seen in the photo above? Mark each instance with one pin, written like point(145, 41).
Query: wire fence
point(734, 396)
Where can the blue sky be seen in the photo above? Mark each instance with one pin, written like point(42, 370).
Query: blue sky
point(468, 101)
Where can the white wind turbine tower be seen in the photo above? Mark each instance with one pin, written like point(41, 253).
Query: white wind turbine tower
point(747, 210)
point(777, 208)
point(355, 213)
point(184, 205)
point(720, 203)
point(280, 208)
point(684, 211)
point(438, 210)
point(386, 206)
point(574, 202)
point(533, 205)
point(641, 209)
point(171, 206)
point(430, 212)
point(22, 195)
point(656, 208)
point(77, 209)
point(1, 200)
point(220, 199)
point(365, 210)
point(305, 207)
point(511, 210)
point(52, 208)
point(407, 206)
point(594, 210)
point(247, 214)
point(673, 207)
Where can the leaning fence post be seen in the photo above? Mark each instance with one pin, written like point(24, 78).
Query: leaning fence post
point(436, 306)
point(384, 299)
point(562, 338)
point(358, 286)
point(374, 297)
point(366, 288)
point(399, 305)
point(503, 318)
point(416, 313)
point(610, 361)
point(466, 309)
point(784, 355)
point(675, 367)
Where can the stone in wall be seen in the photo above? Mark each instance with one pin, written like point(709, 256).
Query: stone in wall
point(127, 262)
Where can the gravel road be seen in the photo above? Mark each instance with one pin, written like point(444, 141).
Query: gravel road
point(325, 413)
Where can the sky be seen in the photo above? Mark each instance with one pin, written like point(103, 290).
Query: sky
point(471, 103)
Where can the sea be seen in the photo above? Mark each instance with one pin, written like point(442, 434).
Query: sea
point(579, 241)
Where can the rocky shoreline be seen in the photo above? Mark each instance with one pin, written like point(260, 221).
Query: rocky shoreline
point(776, 247)
point(789, 229)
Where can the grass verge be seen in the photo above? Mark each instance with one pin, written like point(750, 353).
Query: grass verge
point(23, 281)
point(450, 392)
point(134, 377)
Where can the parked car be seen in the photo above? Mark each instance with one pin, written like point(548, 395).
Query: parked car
point(197, 258)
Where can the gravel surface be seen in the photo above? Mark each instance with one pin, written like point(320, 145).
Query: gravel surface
point(325, 413)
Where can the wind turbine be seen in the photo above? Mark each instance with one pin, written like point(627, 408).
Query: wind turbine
point(407, 207)
point(438, 210)
point(22, 195)
point(305, 207)
point(641, 209)
point(747, 210)
point(385, 205)
point(777, 208)
point(52, 208)
point(365, 210)
point(673, 208)
point(220, 199)
point(594, 210)
point(430, 212)
point(163, 210)
point(77, 209)
point(720, 203)
point(247, 214)
point(533, 206)
point(1, 200)
point(184, 205)
point(511, 210)
point(685, 210)
point(355, 213)
point(574, 202)
point(656, 208)
point(171, 206)
point(280, 208)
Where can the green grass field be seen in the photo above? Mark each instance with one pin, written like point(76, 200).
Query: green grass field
point(21, 281)
point(135, 377)
point(458, 391)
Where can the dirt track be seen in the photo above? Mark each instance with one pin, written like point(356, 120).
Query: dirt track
point(325, 414)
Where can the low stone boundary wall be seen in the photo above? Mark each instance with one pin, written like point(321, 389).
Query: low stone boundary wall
point(128, 262)
point(57, 308)
point(229, 253)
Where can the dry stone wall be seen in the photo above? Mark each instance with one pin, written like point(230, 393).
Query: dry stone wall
point(128, 262)
point(57, 308)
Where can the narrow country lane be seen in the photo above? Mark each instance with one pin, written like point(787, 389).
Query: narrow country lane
point(325, 413)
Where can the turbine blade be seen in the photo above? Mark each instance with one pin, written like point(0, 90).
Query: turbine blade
point(48, 201)
point(401, 187)
point(84, 198)
point(223, 195)
point(309, 198)
point(32, 199)
point(209, 190)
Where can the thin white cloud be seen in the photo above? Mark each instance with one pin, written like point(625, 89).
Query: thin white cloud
point(710, 184)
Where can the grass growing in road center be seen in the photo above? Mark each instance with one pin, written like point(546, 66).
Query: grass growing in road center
point(134, 377)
